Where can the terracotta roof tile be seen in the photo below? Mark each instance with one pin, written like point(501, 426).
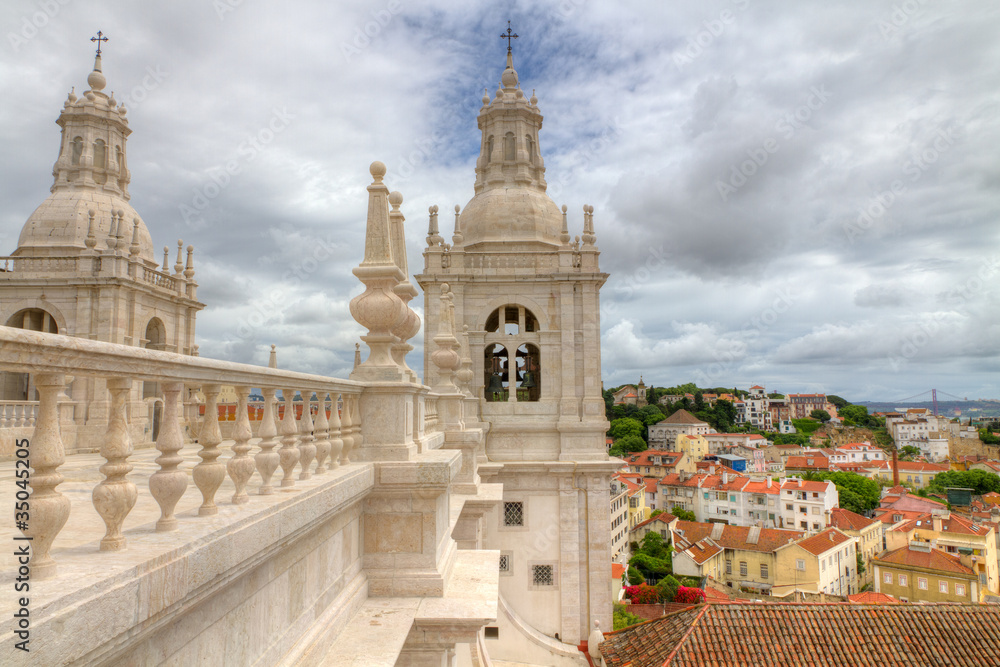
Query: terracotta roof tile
point(848, 520)
point(682, 416)
point(933, 559)
point(811, 634)
point(824, 541)
point(735, 537)
point(871, 597)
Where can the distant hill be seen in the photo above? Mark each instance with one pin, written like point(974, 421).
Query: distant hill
point(977, 408)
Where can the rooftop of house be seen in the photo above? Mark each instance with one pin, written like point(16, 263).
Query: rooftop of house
point(887, 515)
point(932, 559)
point(701, 551)
point(666, 518)
point(848, 520)
point(805, 485)
point(950, 523)
point(682, 416)
point(824, 541)
point(617, 570)
point(871, 597)
point(752, 538)
point(811, 461)
point(772, 633)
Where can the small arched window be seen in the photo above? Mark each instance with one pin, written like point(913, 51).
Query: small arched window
point(508, 146)
point(489, 149)
point(100, 154)
point(512, 356)
point(530, 145)
point(496, 370)
point(119, 158)
point(77, 150)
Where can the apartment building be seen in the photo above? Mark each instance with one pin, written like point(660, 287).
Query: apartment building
point(822, 563)
point(867, 532)
point(918, 573)
point(807, 505)
point(801, 405)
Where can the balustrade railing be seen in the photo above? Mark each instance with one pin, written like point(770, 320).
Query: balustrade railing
point(314, 446)
point(15, 414)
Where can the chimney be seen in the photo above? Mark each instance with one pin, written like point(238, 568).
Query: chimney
point(725, 477)
point(769, 482)
point(895, 470)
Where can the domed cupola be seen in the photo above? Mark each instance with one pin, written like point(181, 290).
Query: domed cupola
point(90, 174)
point(510, 205)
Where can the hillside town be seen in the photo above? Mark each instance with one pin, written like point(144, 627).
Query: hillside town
point(742, 495)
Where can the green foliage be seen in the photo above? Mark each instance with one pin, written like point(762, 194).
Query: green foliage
point(856, 492)
point(791, 439)
point(624, 427)
point(667, 588)
point(624, 618)
point(979, 481)
point(805, 426)
point(627, 445)
point(655, 513)
point(820, 415)
point(650, 414)
point(775, 395)
point(854, 415)
point(988, 438)
point(635, 577)
point(909, 452)
point(682, 514)
point(653, 557)
point(861, 563)
point(837, 401)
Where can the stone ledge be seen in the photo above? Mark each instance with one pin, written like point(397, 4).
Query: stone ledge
point(113, 597)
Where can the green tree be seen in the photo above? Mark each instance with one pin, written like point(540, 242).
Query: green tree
point(627, 445)
point(655, 513)
point(625, 426)
point(854, 415)
point(624, 618)
point(682, 514)
point(667, 588)
point(820, 415)
point(861, 563)
point(909, 452)
point(635, 577)
point(979, 481)
point(837, 401)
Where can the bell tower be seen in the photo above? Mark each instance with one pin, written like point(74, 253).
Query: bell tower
point(527, 301)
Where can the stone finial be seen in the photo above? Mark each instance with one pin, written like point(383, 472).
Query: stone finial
point(133, 249)
point(457, 238)
point(534, 99)
point(357, 355)
point(588, 225)
point(112, 241)
point(433, 236)
point(166, 259)
point(486, 97)
point(91, 240)
point(409, 326)
point(446, 357)
point(272, 361)
point(189, 269)
point(594, 643)
point(120, 235)
point(465, 373)
point(379, 309)
point(179, 264)
point(564, 233)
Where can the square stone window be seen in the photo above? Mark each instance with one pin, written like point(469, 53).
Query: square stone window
point(513, 514)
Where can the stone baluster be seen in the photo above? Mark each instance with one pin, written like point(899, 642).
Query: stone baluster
point(241, 466)
point(267, 459)
point(3, 415)
point(322, 427)
point(346, 431)
point(356, 422)
point(289, 454)
point(19, 415)
point(210, 473)
point(31, 414)
point(167, 485)
point(336, 444)
point(307, 450)
point(49, 508)
point(115, 496)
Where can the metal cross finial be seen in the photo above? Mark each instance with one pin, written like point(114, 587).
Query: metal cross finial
point(100, 38)
point(509, 36)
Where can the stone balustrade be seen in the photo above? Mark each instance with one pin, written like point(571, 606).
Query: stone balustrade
point(52, 357)
point(18, 414)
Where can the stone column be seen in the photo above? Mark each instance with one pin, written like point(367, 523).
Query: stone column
point(115, 496)
point(266, 459)
point(49, 508)
point(241, 466)
point(336, 444)
point(167, 485)
point(209, 474)
point(347, 430)
point(289, 454)
point(322, 427)
point(307, 450)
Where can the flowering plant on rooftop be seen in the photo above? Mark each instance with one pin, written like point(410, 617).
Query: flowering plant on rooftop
point(642, 594)
point(686, 595)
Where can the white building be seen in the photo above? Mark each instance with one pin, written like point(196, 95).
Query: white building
point(806, 505)
point(856, 452)
point(753, 410)
point(662, 435)
point(619, 521)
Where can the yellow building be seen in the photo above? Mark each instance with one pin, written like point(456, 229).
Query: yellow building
point(867, 532)
point(635, 489)
point(918, 573)
point(742, 557)
point(823, 563)
point(956, 536)
point(695, 446)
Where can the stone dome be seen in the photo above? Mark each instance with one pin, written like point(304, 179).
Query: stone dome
point(511, 215)
point(59, 225)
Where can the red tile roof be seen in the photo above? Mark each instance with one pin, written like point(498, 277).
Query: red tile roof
point(806, 485)
point(665, 517)
point(703, 550)
point(953, 524)
point(848, 520)
point(871, 597)
point(811, 634)
point(933, 559)
point(617, 570)
point(824, 541)
point(811, 462)
point(886, 515)
point(735, 537)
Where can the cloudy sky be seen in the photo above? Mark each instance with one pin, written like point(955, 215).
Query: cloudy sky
point(799, 195)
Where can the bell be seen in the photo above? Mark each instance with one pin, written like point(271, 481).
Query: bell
point(529, 380)
point(496, 385)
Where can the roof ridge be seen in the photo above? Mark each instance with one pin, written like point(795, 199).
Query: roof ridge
point(694, 624)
